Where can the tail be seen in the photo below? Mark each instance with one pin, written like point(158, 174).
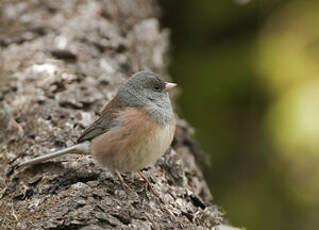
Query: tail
point(83, 148)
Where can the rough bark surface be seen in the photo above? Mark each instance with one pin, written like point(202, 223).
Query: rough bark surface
point(60, 62)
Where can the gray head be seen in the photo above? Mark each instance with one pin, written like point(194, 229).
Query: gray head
point(145, 89)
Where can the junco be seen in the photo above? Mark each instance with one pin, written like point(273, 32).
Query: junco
point(136, 127)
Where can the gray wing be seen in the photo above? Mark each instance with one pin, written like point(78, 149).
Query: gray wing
point(104, 122)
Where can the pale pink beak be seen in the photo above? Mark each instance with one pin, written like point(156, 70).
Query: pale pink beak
point(169, 86)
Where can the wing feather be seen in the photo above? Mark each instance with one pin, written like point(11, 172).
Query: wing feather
point(104, 122)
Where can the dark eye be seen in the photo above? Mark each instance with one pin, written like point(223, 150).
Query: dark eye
point(157, 87)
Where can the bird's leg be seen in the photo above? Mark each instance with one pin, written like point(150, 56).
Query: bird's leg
point(149, 186)
point(122, 180)
point(119, 176)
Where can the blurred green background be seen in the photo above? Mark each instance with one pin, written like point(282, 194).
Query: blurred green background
point(249, 75)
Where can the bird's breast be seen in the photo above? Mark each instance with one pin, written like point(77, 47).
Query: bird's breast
point(135, 142)
point(155, 145)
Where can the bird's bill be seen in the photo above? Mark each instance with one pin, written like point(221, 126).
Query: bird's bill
point(169, 86)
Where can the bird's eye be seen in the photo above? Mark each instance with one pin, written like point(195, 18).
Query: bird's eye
point(158, 87)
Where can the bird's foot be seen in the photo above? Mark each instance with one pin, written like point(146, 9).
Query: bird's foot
point(149, 186)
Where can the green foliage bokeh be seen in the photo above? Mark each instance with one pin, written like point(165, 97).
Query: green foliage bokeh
point(248, 72)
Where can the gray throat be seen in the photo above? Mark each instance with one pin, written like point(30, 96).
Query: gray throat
point(161, 110)
point(163, 113)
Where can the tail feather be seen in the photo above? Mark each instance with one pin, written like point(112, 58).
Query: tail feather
point(82, 148)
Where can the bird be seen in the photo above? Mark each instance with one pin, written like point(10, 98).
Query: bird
point(134, 129)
